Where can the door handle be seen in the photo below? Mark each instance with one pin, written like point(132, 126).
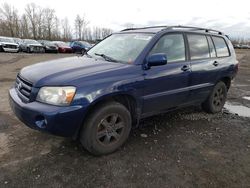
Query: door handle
point(185, 68)
point(215, 63)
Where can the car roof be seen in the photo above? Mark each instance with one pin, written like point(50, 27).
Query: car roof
point(157, 29)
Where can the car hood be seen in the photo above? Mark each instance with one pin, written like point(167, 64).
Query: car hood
point(64, 47)
point(9, 43)
point(63, 71)
point(35, 45)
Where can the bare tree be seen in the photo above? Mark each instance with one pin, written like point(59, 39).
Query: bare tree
point(78, 27)
point(56, 30)
point(66, 30)
point(42, 23)
point(10, 19)
point(49, 22)
point(25, 32)
point(31, 10)
point(106, 32)
point(97, 33)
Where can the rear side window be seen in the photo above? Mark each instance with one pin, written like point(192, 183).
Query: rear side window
point(221, 47)
point(211, 47)
point(173, 46)
point(198, 46)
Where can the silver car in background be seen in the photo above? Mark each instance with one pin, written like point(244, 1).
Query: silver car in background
point(30, 46)
point(8, 45)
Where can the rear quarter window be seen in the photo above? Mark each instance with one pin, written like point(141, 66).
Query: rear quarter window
point(198, 46)
point(211, 47)
point(220, 46)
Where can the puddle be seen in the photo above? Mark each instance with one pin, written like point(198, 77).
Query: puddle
point(247, 98)
point(237, 109)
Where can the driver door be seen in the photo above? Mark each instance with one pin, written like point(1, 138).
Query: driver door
point(166, 86)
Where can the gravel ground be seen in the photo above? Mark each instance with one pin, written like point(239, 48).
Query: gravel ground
point(185, 148)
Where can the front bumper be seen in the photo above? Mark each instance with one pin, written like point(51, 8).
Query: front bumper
point(11, 49)
point(49, 50)
point(62, 121)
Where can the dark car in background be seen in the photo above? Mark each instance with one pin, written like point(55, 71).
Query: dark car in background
point(8, 45)
point(133, 74)
point(80, 46)
point(63, 47)
point(30, 46)
point(48, 46)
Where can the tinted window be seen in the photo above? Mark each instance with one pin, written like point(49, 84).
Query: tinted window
point(198, 46)
point(172, 45)
point(211, 47)
point(221, 47)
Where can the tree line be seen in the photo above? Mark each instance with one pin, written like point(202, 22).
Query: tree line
point(42, 23)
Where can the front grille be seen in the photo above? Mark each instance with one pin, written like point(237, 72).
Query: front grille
point(10, 46)
point(23, 88)
point(37, 48)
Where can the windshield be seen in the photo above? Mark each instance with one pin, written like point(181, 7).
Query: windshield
point(121, 47)
point(6, 40)
point(29, 41)
point(85, 43)
point(17, 40)
point(48, 43)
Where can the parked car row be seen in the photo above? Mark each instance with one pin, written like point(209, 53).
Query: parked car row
point(8, 44)
point(241, 46)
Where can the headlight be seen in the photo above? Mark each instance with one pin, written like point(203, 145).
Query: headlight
point(61, 96)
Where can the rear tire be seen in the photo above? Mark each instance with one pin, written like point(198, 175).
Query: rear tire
point(106, 128)
point(216, 99)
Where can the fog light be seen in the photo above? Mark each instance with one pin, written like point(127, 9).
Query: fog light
point(41, 122)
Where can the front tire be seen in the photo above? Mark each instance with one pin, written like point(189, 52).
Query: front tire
point(216, 99)
point(106, 128)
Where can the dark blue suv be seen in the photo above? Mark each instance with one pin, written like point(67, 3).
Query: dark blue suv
point(80, 46)
point(128, 76)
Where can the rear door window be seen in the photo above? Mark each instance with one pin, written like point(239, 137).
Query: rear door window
point(198, 46)
point(173, 46)
point(220, 46)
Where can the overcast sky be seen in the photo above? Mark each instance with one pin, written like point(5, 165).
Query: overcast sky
point(232, 17)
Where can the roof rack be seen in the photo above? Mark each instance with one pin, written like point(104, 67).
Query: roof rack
point(150, 27)
point(178, 26)
point(195, 29)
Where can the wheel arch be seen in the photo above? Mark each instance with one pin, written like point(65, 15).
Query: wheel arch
point(227, 81)
point(128, 100)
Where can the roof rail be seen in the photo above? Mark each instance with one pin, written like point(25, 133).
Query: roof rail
point(195, 29)
point(136, 28)
point(178, 26)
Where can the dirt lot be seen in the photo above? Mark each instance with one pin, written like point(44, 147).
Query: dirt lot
point(187, 148)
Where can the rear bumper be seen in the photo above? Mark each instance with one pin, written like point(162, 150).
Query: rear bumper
point(62, 121)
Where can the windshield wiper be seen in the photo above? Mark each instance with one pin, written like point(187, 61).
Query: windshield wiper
point(107, 58)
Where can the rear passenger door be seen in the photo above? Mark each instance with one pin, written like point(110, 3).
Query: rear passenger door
point(205, 66)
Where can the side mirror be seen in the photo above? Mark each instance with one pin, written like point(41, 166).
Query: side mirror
point(156, 60)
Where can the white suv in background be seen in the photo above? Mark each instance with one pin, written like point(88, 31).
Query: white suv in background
point(8, 45)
